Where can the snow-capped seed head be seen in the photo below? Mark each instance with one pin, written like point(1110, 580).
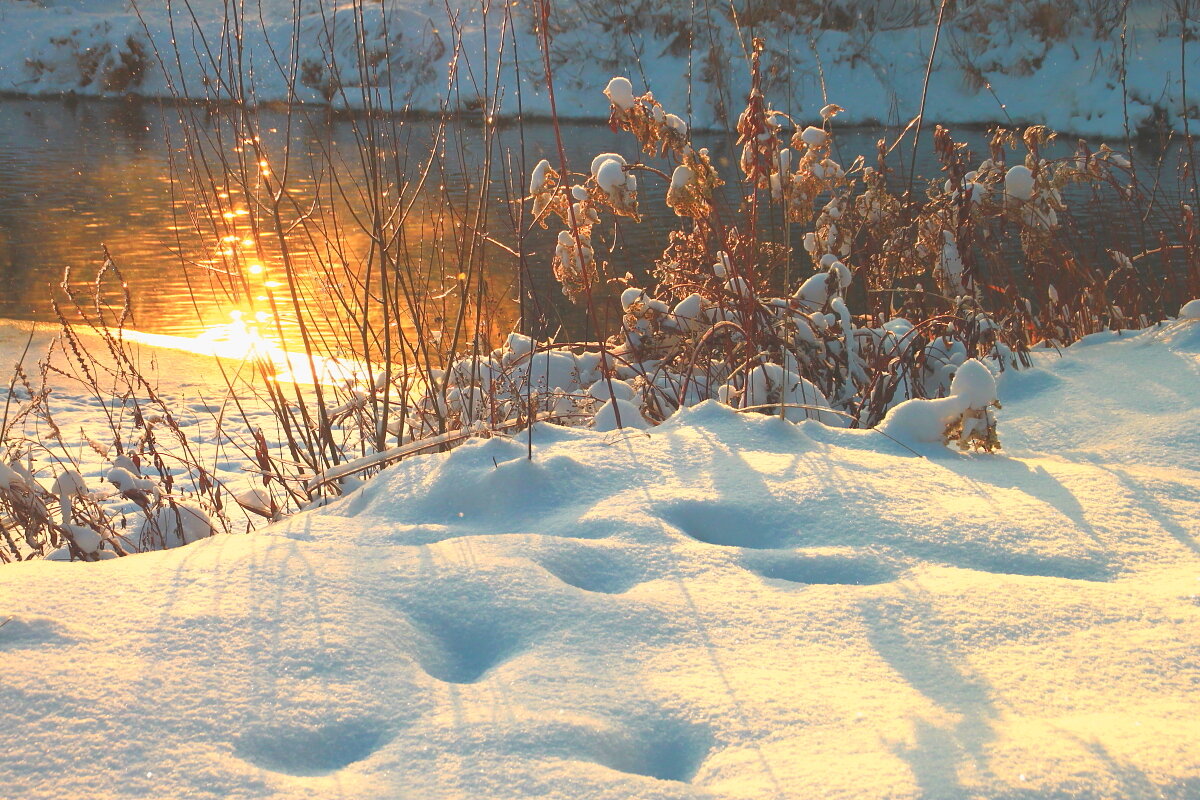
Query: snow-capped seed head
point(579, 193)
point(828, 169)
point(676, 124)
point(681, 177)
point(814, 292)
point(85, 539)
point(620, 93)
point(688, 309)
point(1018, 183)
point(814, 137)
point(632, 296)
point(126, 463)
point(785, 160)
point(608, 170)
point(537, 181)
point(776, 186)
point(584, 215)
point(830, 111)
point(123, 479)
point(844, 275)
point(610, 176)
point(9, 477)
point(600, 160)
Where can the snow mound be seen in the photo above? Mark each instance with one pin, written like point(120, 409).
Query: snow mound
point(962, 414)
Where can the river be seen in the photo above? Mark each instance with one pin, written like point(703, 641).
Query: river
point(79, 174)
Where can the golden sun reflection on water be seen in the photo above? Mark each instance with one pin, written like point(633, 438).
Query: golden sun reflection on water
point(242, 341)
point(193, 246)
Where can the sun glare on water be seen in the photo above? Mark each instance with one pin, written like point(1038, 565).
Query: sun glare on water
point(240, 339)
point(252, 337)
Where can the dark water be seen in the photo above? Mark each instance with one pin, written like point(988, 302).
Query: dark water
point(78, 175)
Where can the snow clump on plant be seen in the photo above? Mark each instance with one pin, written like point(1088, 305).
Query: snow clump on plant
point(964, 416)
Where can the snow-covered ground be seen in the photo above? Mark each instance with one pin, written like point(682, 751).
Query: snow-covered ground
point(726, 606)
point(1020, 62)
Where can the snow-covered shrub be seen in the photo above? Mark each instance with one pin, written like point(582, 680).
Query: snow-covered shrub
point(718, 326)
point(56, 512)
point(856, 338)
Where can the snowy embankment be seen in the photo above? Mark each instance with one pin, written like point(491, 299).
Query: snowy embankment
point(728, 605)
point(1016, 63)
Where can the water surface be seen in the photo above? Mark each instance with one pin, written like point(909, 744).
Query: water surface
point(78, 175)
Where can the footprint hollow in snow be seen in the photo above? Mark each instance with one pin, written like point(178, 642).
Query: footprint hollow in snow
point(728, 524)
point(833, 566)
point(295, 749)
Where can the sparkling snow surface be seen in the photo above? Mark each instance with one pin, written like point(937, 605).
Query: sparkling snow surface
point(727, 606)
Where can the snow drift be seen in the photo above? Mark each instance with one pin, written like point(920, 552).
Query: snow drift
point(726, 606)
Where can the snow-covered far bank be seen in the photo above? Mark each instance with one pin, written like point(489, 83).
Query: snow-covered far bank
point(726, 606)
point(1014, 63)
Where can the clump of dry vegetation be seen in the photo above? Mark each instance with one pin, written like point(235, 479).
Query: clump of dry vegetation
point(835, 291)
